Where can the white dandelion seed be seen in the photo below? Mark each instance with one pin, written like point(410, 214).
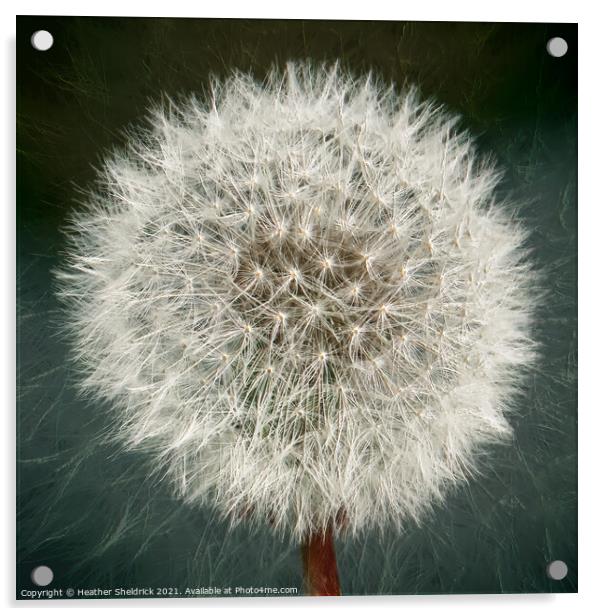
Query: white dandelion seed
point(302, 300)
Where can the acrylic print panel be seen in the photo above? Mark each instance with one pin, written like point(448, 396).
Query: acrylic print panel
point(296, 307)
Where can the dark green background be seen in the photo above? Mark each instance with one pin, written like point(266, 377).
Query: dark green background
point(85, 510)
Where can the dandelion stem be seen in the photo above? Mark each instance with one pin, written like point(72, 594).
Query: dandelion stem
point(320, 573)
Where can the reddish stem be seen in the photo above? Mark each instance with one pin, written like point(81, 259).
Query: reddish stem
point(320, 565)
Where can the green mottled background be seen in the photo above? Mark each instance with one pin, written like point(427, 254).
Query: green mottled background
point(86, 510)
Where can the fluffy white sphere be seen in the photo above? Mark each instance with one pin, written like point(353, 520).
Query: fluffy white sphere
point(301, 299)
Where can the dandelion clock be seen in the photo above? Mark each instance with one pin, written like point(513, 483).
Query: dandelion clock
point(303, 302)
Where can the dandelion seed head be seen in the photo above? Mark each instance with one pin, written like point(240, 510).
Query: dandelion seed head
point(309, 278)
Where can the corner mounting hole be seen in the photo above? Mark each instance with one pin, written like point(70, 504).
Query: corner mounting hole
point(557, 47)
point(42, 575)
point(557, 570)
point(42, 40)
